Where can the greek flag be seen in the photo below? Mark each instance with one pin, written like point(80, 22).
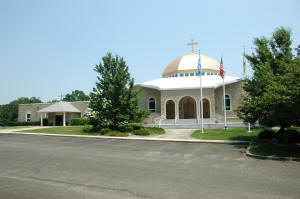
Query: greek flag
point(199, 65)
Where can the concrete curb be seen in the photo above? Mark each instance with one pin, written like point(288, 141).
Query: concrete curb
point(134, 138)
point(262, 157)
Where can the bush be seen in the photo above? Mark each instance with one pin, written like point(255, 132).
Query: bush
point(79, 121)
point(288, 136)
point(135, 126)
point(24, 123)
point(142, 132)
point(105, 131)
point(125, 128)
point(266, 135)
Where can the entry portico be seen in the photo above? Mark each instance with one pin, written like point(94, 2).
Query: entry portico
point(59, 112)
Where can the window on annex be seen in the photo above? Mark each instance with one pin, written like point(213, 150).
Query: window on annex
point(28, 117)
point(192, 74)
point(186, 74)
point(152, 105)
point(181, 74)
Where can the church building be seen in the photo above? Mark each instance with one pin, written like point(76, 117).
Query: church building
point(175, 98)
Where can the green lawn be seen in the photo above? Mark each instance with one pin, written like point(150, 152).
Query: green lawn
point(79, 130)
point(274, 149)
point(229, 134)
point(67, 130)
point(73, 130)
point(16, 127)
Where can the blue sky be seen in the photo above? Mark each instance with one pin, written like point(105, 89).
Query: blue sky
point(49, 47)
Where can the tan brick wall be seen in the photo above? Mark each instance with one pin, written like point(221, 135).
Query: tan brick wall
point(32, 108)
point(213, 95)
point(145, 94)
point(35, 116)
point(234, 90)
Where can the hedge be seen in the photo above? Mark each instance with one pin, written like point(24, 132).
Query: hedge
point(8, 123)
point(79, 121)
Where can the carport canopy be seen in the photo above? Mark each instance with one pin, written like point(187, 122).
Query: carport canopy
point(64, 107)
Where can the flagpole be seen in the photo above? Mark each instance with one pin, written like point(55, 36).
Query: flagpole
point(201, 101)
point(225, 123)
point(201, 104)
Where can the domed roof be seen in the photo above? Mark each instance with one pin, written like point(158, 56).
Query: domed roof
point(190, 62)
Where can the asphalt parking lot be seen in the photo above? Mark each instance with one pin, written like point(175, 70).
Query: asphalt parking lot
point(64, 167)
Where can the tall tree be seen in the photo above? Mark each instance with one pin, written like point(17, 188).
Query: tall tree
point(76, 95)
point(273, 92)
point(114, 100)
point(9, 112)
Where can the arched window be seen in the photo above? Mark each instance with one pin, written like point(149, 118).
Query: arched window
point(152, 105)
point(227, 103)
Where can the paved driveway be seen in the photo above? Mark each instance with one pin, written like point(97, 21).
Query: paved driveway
point(65, 167)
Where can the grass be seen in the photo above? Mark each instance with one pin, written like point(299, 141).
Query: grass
point(258, 147)
point(146, 131)
point(86, 130)
point(15, 127)
point(67, 130)
point(229, 134)
point(274, 149)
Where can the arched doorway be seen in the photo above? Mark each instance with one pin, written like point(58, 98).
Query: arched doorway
point(206, 108)
point(170, 109)
point(187, 108)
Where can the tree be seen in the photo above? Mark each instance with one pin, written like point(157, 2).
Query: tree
point(76, 95)
point(273, 92)
point(114, 100)
point(9, 112)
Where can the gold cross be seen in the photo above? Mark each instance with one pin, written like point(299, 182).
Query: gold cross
point(61, 96)
point(192, 44)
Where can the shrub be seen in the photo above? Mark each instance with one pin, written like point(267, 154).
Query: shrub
point(88, 129)
point(135, 126)
point(288, 136)
point(105, 131)
point(125, 128)
point(79, 121)
point(266, 135)
point(143, 132)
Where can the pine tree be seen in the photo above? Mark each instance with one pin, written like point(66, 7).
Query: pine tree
point(114, 100)
point(273, 92)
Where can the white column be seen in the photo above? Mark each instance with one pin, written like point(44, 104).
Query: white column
point(41, 119)
point(64, 119)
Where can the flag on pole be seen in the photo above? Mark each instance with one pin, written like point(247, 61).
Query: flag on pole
point(199, 65)
point(222, 73)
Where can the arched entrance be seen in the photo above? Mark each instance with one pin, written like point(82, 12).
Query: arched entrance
point(187, 108)
point(206, 108)
point(170, 109)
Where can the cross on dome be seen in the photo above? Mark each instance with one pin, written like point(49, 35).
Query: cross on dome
point(192, 43)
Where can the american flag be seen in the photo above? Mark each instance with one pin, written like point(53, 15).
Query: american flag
point(222, 73)
point(199, 65)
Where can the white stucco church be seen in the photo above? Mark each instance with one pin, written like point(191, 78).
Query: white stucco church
point(175, 97)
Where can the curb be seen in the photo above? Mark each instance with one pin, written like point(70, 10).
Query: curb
point(134, 138)
point(262, 157)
